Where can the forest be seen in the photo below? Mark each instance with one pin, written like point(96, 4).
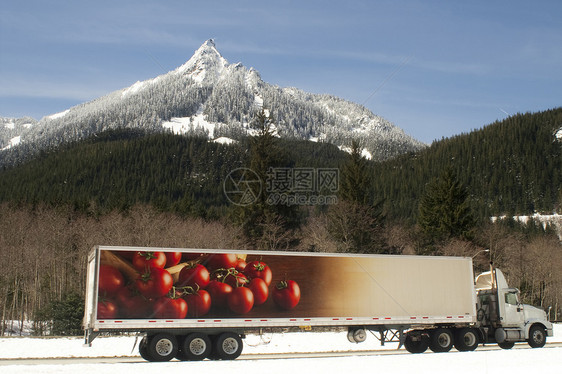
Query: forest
point(129, 187)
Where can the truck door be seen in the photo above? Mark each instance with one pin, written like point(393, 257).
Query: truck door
point(513, 315)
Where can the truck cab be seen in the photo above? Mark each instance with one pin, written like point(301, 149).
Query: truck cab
point(503, 318)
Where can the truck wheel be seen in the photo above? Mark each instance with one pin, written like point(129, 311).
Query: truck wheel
point(416, 344)
point(537, 336)
point(143, 349)
point(196, 347)
point(466, 339)
point(227, 346)
point(506, 345)
point(162, 347)
point(441, 340)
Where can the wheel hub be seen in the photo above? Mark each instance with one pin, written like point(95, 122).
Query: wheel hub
point(230, 346)
point(197, 346)
point(164, 347)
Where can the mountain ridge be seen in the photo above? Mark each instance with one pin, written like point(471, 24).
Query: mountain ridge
point(207, 89)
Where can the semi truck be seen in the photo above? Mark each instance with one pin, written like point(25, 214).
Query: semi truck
point(195, 304)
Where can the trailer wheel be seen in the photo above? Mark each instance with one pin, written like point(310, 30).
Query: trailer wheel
point(466, 339)
point(537, 336)
point(162, 347)
point(143, 349)
point(357, 335)
point(195, 347)
point(506, 345)
point(227, 346)
point(441, 340)
point(416, 342)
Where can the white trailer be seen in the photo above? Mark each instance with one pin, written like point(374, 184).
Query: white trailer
point(202, 306)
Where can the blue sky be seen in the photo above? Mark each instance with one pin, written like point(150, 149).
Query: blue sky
point(433, 68)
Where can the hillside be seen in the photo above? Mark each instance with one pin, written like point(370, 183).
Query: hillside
point(183, 174)
point(509, 167)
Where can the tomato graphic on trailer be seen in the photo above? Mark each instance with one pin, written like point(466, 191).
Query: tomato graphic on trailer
point(210, 285)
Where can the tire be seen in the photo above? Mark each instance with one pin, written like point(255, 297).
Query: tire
point(466, 339)
point(537, 336)
point(196, 347)
point(441, 340)
point(356, 335)
point(506, 345)
point(143, 349)
point(416, 344)
point(227, 346)
point(162, 347)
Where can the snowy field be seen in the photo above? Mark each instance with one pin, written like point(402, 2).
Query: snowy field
point(545, 360)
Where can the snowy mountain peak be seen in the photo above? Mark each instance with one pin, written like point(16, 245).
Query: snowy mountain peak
point(207, 95)
point(206, 64)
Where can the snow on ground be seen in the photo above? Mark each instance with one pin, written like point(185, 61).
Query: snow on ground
point(127, 346)
point(364, 152)
point(545, 220)
point(58, 115)
point(258, 101)
point(182, 125)
point(224, 140)
point(13, 142)
point(544, 360)
point(136, 87)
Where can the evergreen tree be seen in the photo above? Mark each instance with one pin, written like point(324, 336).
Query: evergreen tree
point(356, 222)
point(444, 210)
point(263, 217)
point(356, 184)
point(65, 316)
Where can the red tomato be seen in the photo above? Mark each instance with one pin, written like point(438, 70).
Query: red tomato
point(219, 293)
point(110, 280)
point(193, 276)
point(221, 261)
point(166, 307)
point(236, 279)
point(155, 282)
point(145, 260)
point(132, 304)
point(259, 289)
point(258, 269)
point(241, 300)
point(240, 265)
point(107, 309)
point(199, 303)
point(172, 258)
point(287, 294)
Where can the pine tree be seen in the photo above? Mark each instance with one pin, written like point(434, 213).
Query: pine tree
point(444, 210)
point(356, 222)
point(262, 217)
point(356, 180)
